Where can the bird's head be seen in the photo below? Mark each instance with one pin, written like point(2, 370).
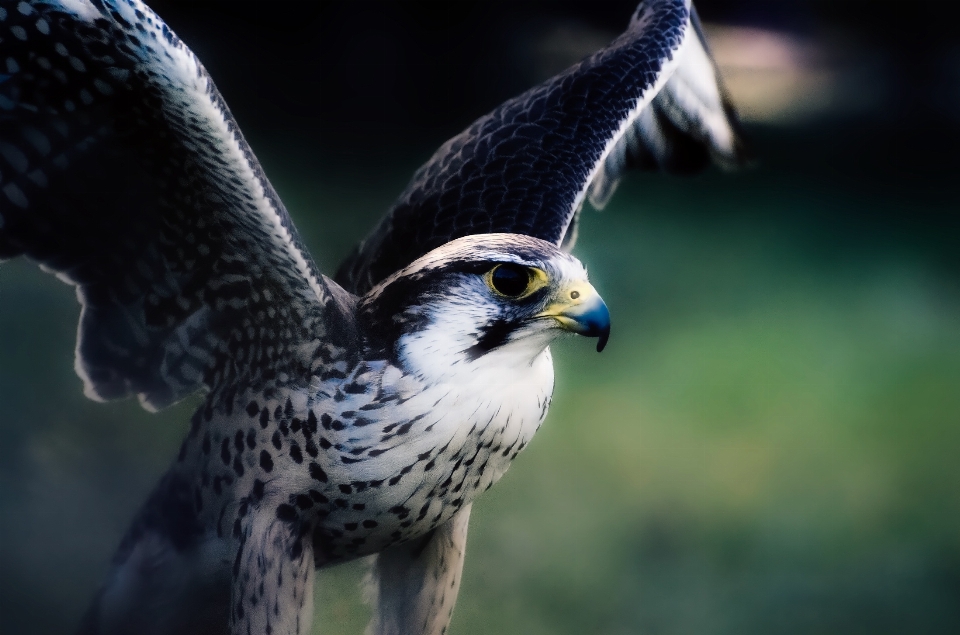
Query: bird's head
point(482, 296)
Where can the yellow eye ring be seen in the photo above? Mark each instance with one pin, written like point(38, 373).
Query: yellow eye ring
point(514, 281)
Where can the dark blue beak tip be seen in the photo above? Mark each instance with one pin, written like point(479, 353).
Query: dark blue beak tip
point(599, 326)
point(591, 319)
point(602, 342)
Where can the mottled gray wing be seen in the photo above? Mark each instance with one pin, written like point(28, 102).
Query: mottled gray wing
point(122, 171)
point(651, 99)
point(690, 123)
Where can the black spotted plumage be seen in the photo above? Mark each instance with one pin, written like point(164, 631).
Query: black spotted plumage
point(337, 422)
point(143, 193)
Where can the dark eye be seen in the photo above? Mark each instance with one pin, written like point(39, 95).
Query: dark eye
point(510, 280)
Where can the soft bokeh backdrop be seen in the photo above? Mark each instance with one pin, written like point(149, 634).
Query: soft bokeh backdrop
point(769, 443)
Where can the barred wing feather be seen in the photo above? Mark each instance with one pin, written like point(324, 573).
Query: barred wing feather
point(122, 171)
point(651, 99)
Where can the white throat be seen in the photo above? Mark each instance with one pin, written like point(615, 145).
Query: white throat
point(442, 354)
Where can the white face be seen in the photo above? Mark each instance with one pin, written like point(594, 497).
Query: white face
point(471, 323)
point(482, 302)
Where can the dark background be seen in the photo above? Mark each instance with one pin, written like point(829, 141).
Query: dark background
point(769, 443)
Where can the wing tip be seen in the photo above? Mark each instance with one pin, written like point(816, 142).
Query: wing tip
point(113, 389)
point(102, 384)
point(741, 154)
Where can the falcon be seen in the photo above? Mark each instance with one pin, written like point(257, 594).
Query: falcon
point(341, 418)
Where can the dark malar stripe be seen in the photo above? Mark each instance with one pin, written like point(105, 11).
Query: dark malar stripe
point(493, 336)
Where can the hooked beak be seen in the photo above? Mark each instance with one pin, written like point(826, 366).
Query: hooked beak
point(580, 309)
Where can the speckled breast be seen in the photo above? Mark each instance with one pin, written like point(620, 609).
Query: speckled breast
point(375, 459)
point(391, 479)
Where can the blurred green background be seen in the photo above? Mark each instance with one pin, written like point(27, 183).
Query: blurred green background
point(769, 443)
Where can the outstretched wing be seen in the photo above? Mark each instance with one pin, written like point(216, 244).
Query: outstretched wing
point(651, 99)
point(122, 171)
point(689, 123)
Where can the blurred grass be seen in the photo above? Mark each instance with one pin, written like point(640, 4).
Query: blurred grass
point(768, 444)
